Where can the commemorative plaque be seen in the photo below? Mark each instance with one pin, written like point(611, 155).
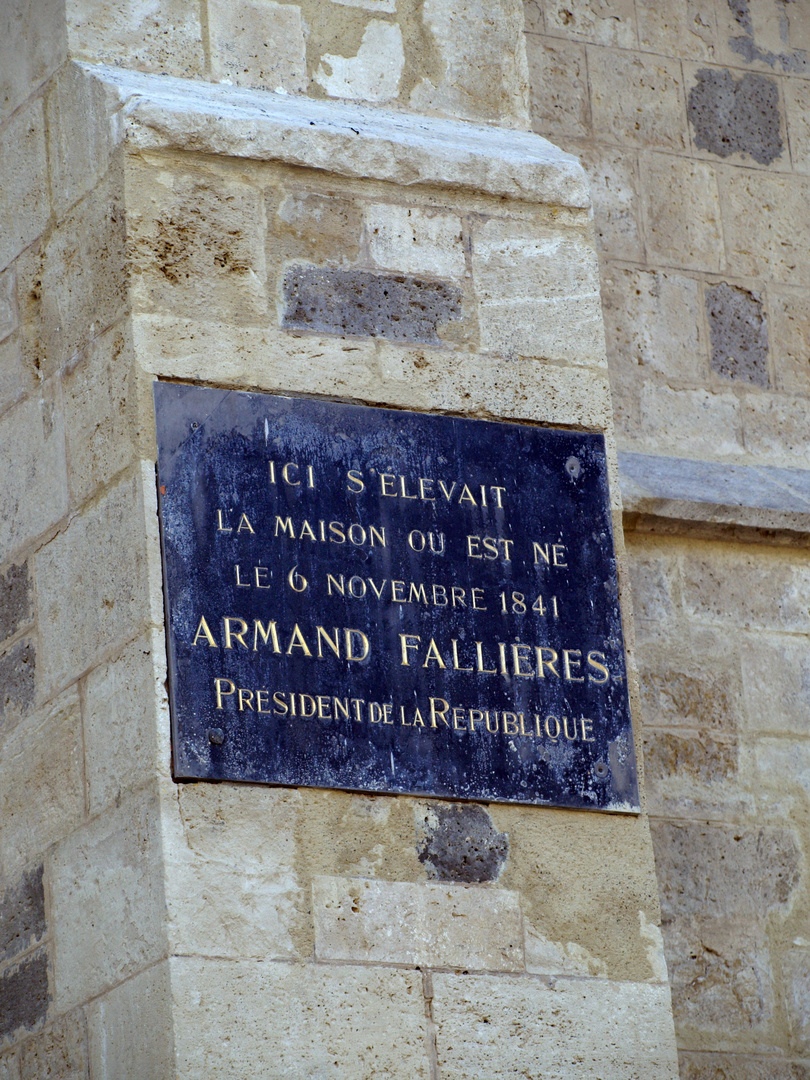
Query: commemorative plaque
point(388, 601)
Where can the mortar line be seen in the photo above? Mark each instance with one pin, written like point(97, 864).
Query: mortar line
point(430, 1026)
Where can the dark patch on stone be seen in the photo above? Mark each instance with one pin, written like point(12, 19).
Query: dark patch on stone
point(461, 844)
point(24, 996)
point(739, 334)
point(731, 116)
point(22, 914)
point(15, 600)
point(739, 9)
point(17, 680)
point(393, 306)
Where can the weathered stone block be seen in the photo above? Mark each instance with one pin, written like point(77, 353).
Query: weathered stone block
point(613, 175)
point(682, 213)
point(137, 34)
point(8, 303)
point(42, 754)
point(33, 485)
point(22, 914)
point(654, 581)
point(559, 87)
point(766, 229)
point(776, 677)
point(689, 757)
point(414, 241)
point(373, 73)
point(25, 206)
point(708, 1066)
point(398, 922)
point(698, 686)
point(59, 1052)
point(32, 46)
point(258, 44)
point(15, 379)
point(107, 901)
point(84, 286)
point(335, 1021)
point(92, 590)
point(684, 30)
point(603, 22)
point(500, 1027)
point(637, 99)
point(402, 308)
point(790, 339)
point(698, 422)
point(777, 428)
point(797, 108)
point(24, 995)
point(315, 227)
point(736, 116)
point(652, 320)
point(130, 1029)
point(10, 1066)
point(538, 292)
point(798, 998)
point(460, 843)
point(16, 600)
point(739, 333)
point(18, 681)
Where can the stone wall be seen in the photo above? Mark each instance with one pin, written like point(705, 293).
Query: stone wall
point(691, 120)
point(158, 223)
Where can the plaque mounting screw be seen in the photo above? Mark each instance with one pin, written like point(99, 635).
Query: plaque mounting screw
point(573, 467)
point(194, 425)
point(216, 736)
point(600, 770)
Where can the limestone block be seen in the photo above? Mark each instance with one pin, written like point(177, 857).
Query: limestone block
point(142, 34)
point(22, 914)
point(789, 323)
point(197, 243)
point(798, 980)
point(92, 584)
point(498, 1027)
point(709, 1066)
point(101, 424)
point(682, 213)
point(258, 43)
point(797, 108)
point(231, 882)
point(427, 925)
point(654, 580)
point(126, 739)
point(130, 1029)
point(44, 754)
point(776, 677)
point(8, 303)
point(697, 422)
point(84, 127)
point(777, 428)
point(763, 36)
point(603, 22)
point(685, 29)
point(32, 46)
point(484, 76)
point(9, 1066)
point(84, 274)
point(688, 773)
point(373, 73)
point(25, 206)
point(107, 901)
point(613, 175)
point(767, 233)
point(764, 590)
point(24, 995)
point(558, 77)
point(652, 320)
point(637, 99)
point(320, 228)
point(538, 292)
point(738, 119)
point(234, 1018)
point(59, 1052)
point(33, 486)
point(414, 241)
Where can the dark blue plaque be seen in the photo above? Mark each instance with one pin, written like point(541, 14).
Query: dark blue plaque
point(390, 601)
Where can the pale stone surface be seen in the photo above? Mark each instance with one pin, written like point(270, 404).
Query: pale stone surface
point(694, 421)
point(258, 43)
point(414, 241)
point(107, 901)
point(9, 1066)
point(765, 590)
point(538, 292)
point(126, 744)
point(373, 74)
point(396, 922)
point(144, 34)
point(652, 320)
point(721, 1066)
point(386, 6)
point(546, 957)
point(766, 228)
point(84, 275)
point(616, 203)
point(797, 107)
point(334, 1021)
point(682, 213)
point(59, 1052)
point(558, 78)
point(654, 578)
point(799, 998)
point(33, 41)
point(682, 28)
point(789, 332)
point(130, 1029)
point(9, 320)
point(16, 379)
point(637, 99)
point(44, 754)
point(33, 484)
point(777, 428)
point(25, 206)
point(776, 677)
point(496, 1027)
point(603, 22)
point(91, 583)
point(485, 73)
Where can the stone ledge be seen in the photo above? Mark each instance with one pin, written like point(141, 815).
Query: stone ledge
point(662, 491)
point(160, 112)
